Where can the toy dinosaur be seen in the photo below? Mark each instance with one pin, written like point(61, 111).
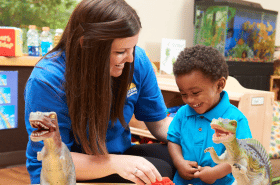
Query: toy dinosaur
point(248, 159)
point(57, 164)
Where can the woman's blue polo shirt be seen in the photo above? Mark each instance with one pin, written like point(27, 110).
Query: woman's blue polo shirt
point(192, 131)
point(45, 92)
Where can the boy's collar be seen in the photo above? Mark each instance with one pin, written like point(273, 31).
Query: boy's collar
point(216, 112)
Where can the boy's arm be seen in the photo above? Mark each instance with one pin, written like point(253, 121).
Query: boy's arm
point(210, 174)
point(186, 169)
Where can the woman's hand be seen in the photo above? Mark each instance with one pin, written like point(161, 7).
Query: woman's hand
point(134, 168)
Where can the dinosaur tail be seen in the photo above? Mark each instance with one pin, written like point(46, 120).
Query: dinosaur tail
point(257, 148)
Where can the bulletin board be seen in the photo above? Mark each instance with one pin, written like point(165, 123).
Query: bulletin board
point(13, 135)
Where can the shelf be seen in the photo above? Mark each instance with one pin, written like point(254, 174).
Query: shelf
point(19, 61)
point(273, 89)
point(167, 83)
point(141, 132)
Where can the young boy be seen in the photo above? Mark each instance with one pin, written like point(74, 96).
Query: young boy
point(201, 73)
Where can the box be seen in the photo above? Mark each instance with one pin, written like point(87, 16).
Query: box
point(241, 30)
point(10, 41)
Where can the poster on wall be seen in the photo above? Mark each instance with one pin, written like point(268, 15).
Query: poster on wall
point(8, 99)
point(170, 49)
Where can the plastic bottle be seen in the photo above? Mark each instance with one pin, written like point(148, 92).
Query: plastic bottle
point(33, 41)
point(46, 40)
point(57, 36)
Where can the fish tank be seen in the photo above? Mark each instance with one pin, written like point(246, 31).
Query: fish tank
point(241, 30)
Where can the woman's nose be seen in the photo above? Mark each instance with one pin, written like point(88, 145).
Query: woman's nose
point(130, 57)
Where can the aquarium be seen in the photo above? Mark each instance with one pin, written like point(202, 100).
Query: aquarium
point(241, 30)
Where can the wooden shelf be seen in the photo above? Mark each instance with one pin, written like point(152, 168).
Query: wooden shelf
point(141, 132)
point(272, 88)
point(19, 61)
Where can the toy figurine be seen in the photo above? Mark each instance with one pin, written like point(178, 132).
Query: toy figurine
point(57, 163)
point(165, 181)
point(248, 159)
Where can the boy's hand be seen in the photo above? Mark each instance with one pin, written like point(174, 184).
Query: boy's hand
point(206, 174)
point(188, 169)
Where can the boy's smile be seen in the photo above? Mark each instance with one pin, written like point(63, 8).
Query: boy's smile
point(199, 91)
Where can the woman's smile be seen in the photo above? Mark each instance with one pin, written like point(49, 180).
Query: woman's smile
point(120, 66)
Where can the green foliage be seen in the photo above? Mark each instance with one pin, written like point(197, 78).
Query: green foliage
point(21, 13)
point(42, 13)
point(211, 24)
point(236, 51)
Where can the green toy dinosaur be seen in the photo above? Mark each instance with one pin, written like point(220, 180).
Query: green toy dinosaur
point(248, 159)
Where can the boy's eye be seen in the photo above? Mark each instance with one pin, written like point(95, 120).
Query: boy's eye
point(120, 52)
point(183, 95)
point(196, 92)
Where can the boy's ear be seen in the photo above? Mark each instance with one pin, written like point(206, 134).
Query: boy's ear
point(221, 84)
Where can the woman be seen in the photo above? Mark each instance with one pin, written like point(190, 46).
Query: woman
point(95, 79)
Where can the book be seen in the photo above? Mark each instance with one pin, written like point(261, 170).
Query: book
point(170, 49)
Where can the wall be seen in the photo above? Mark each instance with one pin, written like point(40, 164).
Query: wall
point(163, 19)
point(174, 19)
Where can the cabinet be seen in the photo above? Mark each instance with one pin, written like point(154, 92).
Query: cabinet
point(251, 75)
point(13, 141)
point(256, 105)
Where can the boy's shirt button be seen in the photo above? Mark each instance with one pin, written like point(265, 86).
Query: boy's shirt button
point(200, 129)
point(201, 117)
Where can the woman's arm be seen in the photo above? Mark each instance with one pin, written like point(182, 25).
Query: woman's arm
point(90, 167)
point(159, 128)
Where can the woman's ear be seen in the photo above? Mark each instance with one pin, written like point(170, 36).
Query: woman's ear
point(81, 41)
point(221, 84)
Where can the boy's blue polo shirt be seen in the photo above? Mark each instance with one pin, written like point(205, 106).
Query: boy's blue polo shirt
point(45, 92)
point(192, 131)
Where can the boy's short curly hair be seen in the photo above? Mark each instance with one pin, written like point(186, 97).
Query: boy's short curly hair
point(204, 58)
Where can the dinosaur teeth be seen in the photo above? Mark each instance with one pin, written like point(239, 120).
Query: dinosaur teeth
point(43, 126)
point(221, 135)
point(37, 124)
point(37, 134)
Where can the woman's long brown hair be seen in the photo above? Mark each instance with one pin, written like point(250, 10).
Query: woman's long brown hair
point(93, 96)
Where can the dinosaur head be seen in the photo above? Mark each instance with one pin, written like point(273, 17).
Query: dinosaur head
point(225, 130)
point(45, 123)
